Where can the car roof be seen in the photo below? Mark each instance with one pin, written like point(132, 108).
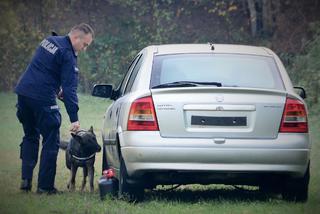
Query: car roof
point(207, 48)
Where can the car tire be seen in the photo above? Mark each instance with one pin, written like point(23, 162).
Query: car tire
point(296, 189)
point(126, 191)
point(270, 188)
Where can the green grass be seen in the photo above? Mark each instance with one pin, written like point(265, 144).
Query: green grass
point(186, 199)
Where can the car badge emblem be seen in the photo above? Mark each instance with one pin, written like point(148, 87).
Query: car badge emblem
point(219, 98)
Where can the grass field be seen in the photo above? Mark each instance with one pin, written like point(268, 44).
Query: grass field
point(185, 199)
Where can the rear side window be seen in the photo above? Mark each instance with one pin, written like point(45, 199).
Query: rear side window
point(134, 74)
point(125, 79)
point(231, 70)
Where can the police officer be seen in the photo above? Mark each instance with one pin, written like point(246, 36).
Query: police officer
point(52, 72)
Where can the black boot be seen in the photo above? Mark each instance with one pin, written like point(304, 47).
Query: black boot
point(52, 191)
point(26, 185)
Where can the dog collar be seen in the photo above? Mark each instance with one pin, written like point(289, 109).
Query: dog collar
point(85, 158)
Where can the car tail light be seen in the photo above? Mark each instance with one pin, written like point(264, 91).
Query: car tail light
point(294, 118)
point(142, 116)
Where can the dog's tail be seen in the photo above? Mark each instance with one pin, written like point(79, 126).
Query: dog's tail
point(63, 144)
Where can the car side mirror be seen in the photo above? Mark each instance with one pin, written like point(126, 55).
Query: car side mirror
point(302, 93)
point(102, 90)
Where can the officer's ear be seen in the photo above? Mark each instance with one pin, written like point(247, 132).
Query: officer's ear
point(76, 137)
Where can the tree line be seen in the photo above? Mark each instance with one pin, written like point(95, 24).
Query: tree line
point(123, 27)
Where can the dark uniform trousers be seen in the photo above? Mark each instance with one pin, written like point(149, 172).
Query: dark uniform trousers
point(43, 119)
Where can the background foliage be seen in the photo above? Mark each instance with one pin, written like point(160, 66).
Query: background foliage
point(305, 69)
point(123, 27)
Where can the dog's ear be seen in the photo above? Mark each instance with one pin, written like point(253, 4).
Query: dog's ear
point(76, 137)
point(91, 129)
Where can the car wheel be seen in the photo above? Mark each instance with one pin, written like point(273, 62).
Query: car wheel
point(297, 189)
point(270, 188)
point(130, 192)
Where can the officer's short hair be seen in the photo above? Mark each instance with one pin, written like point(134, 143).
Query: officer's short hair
point(83, 27)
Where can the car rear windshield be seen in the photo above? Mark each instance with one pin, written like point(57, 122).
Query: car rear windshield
point(223, 70)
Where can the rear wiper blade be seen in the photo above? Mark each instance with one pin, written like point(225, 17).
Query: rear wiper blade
point(218, 84)
point(186, 84)
point(176, 84)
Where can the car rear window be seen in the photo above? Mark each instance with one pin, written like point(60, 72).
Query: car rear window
point(231, 70)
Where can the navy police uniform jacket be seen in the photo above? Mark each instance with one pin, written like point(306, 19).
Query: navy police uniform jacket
point(54, 65)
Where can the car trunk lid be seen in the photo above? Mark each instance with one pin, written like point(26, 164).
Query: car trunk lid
point(212, 112)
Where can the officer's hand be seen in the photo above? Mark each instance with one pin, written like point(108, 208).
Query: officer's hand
point(75, 126)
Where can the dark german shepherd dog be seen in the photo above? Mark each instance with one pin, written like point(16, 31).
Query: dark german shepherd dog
point(80, 152)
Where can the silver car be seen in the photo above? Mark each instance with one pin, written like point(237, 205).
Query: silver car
point(206, 114)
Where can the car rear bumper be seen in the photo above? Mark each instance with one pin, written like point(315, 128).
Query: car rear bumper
point(148, 151)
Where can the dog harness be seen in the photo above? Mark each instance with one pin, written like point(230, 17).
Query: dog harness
point(83, 159)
